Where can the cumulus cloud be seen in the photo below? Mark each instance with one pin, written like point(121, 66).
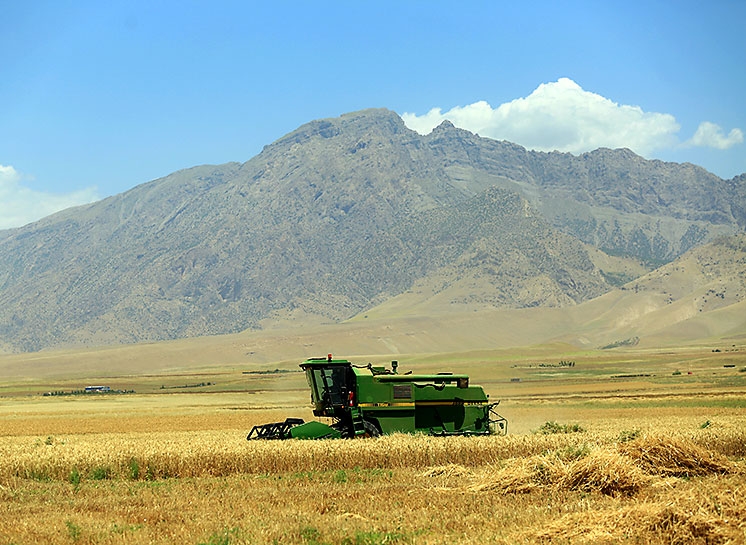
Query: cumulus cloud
point(20, 205)
point(712, 136)
point(563, 116)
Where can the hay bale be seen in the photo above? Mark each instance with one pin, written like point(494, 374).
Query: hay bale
point(672, 457)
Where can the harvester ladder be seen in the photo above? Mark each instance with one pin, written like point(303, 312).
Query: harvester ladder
point(358, 425)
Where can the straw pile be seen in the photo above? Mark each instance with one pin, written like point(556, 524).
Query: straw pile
point(610, 470)
point(519, 476)
point(605, 471)
point(672, 457)
point(602, 470)
point(450, 470)
point(681, 523)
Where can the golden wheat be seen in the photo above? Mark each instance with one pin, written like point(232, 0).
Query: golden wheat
point(222, 453)
point(186, 474)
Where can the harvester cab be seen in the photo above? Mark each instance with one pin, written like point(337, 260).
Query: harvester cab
point(332, 384)
point(366, 401)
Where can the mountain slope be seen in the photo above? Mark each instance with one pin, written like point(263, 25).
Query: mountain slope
point(700, 295)
point(613, 199)
point(338, 216)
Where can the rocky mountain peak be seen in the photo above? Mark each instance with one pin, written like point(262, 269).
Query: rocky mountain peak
point(343, 214)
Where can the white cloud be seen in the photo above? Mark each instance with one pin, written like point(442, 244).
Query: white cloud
point(563, 116)
point(711, 135)
point(20, 205)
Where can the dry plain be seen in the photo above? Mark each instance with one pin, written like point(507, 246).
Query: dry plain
point(625, 446)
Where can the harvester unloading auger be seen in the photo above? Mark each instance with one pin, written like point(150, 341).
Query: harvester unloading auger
point(367, 401)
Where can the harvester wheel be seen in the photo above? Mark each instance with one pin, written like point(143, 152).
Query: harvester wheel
point(370, 429)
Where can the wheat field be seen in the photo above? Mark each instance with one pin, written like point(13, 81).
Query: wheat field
point(212, 486)
point(587, 460)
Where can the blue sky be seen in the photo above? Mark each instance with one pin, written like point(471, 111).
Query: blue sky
point(98, 97)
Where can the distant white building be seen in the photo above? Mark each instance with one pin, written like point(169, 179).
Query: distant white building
point(97, 389)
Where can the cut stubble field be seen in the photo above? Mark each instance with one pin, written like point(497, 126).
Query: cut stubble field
point(616, 449)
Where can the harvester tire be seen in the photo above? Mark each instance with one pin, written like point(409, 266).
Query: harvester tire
point(370, 429)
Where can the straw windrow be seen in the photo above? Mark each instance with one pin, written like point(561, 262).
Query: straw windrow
point(675, 457)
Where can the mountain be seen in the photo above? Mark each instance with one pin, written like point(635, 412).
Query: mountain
point(704, 290)
point(677, 307)
point(613, 199)
point(345, 214)
point(698, 297)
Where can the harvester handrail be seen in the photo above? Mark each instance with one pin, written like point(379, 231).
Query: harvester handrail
point(420, 378)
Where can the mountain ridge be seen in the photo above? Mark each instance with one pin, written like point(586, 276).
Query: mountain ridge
point(341, 215)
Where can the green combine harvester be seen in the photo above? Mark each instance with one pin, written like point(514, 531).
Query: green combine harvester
point(367, 401)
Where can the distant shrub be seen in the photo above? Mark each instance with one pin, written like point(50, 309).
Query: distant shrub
point(548, 428)
point(100, 473)
point(628, 435)
point(74, 477)
point(134, 469)
point(632, 341)
point(73, 530)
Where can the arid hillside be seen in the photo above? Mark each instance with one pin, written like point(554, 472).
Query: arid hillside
point(343, 215)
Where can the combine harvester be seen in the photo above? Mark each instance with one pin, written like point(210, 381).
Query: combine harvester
point(367, 401)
